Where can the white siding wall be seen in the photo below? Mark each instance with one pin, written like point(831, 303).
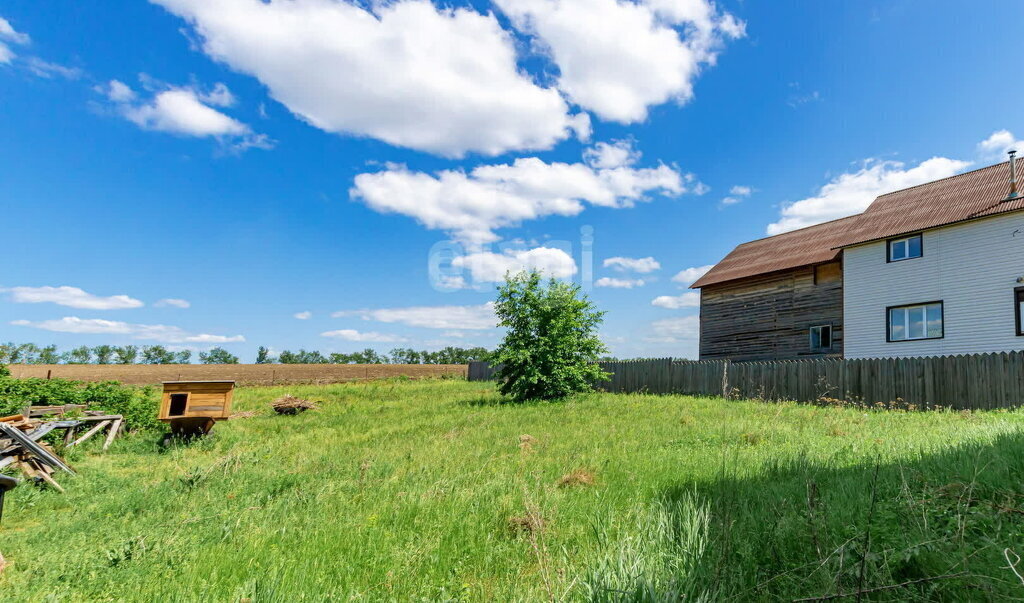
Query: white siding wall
point(972, 267)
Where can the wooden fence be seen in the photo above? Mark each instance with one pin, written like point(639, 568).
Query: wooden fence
point(980, 381)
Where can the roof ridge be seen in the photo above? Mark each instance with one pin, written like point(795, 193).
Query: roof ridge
point(930, 182)
point(799, 229)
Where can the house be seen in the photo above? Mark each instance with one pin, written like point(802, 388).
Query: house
point(930, 270)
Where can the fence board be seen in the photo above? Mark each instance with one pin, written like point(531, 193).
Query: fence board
point(980, 381)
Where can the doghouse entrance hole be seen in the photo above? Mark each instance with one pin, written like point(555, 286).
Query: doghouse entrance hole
point(178, 404)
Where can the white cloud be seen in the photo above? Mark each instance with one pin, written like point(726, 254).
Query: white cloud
point(605, 155)
point(174, 302)
point(48, 70)
point(688, 276)
point(619, 58)
point(9, 34)
point(443, 80)
point(675, 302)
point(851, 193)
point(472, 205)
point(182, 111)
point(72, 297)
point(737, 194)
point(994, 147)
point(305, 315)
point(619, 283)
point(431, 317)
point(219, 96)
point(490, 267)
point(117, 91)
point(162, 333)
point(674, 330)
point(641, 265)
point(368, 336)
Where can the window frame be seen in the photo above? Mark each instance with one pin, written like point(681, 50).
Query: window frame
point(888, 247)
point(831, 339)
point(1018, 297)
point(888, 320)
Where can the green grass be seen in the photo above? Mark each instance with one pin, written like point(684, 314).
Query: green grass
point(426, 491)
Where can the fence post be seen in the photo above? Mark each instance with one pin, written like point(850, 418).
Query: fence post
point(725, 379)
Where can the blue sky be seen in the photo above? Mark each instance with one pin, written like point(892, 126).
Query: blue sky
point(257, 161)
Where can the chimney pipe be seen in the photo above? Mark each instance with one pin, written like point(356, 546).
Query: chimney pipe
point(1013, 176)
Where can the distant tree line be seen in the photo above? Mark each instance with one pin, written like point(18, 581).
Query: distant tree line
point(448, 355)
point(30, 353)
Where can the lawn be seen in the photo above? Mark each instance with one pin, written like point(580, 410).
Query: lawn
point(434, 490)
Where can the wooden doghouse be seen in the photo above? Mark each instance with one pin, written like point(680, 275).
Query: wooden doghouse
point(192, 407)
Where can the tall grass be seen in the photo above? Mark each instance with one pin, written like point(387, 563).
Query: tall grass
point(435, 490)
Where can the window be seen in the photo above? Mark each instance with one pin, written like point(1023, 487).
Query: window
point(821, 338)
point(920, 321)
point(1018, 298)
point(905, 248)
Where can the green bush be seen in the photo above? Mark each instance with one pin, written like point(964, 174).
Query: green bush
point(138, 405)
point(551, 348)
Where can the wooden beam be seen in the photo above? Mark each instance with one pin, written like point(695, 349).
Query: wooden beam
point(89, 433)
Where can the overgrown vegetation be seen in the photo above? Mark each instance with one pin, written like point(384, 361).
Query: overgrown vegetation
point(434, 490)
point(551, 347)
point(138, 405)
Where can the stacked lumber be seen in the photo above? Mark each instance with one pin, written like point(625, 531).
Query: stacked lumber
point(22, 445)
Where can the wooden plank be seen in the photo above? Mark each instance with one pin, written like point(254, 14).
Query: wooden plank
point(112, 433)
point(89, 433)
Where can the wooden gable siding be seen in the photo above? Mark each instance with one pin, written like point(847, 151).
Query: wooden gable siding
point(768, 317)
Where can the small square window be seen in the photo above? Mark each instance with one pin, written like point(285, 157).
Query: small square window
point(821, 338)
point(905, 248)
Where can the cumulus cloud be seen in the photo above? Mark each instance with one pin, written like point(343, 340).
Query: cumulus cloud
point(305, 315)
point(367, 336)
point(72, 297)
point(162, 333)
point(641, 265)
point(676, 302)
point(995, 147)
point(185, 111)
point(737, 194)
point(443, 80)
point(852, 192)
point(619, 283)
point(490, 267)
point(604, 155)
point(431, 317)
point(472, 205)
point(173, 302)
point(688, 276)
point(675, 330)
point(617, 59)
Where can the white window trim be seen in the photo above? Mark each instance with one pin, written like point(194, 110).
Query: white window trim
point(906, 321)
point(889, 245)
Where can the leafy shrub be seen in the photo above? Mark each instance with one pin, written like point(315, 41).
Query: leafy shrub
point(551, 348)
point(4, 371)
point(138, 405)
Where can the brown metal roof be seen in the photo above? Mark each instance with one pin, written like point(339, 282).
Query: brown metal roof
point(811, 245)
point(966, 196)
